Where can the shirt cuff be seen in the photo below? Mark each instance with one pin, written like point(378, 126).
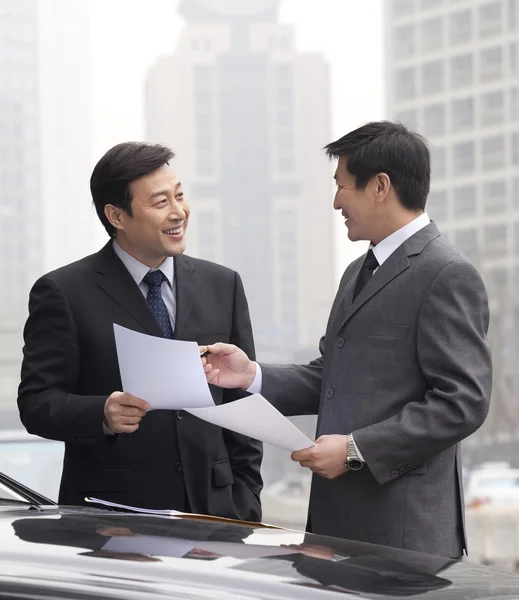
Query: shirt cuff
point(356, 449)
point(255, 388)
point(107, 431)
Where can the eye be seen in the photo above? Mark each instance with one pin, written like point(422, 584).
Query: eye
point(161, 202)
point(180, 195)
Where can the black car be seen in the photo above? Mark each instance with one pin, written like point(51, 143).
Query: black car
point(50, 551)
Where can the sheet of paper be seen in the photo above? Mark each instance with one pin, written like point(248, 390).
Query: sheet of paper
point(166, 373)
point(172, 546)
point(256, 417)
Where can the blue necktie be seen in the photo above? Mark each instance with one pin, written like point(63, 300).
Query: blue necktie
point(154, 279)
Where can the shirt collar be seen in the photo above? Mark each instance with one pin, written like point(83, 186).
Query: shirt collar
point(139, 270)
point(384, 249)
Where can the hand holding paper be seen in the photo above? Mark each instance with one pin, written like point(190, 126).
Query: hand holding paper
point(169, 374)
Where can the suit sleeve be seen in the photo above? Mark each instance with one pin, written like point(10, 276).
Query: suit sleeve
point(47, 396)
point(454, 356)
point(294, 389)
point(245, 453)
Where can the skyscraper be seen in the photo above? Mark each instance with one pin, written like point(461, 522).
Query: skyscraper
point(248, 116)
point(452, 73)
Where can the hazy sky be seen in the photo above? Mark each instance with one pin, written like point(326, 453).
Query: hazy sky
point(129, 35)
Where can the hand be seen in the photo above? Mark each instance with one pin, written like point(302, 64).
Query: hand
point(227, 366)
point(327, 458)
point(123, 412)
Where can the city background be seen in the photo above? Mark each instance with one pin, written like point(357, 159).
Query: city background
point(247, 92)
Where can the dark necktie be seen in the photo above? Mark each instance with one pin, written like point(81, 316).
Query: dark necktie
point(366, 272)
point(154, 279)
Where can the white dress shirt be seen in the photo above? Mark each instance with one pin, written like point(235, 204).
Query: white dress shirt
point(138, 271)
point(382, 251)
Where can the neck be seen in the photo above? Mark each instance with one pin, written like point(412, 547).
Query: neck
point(151, 262)
point(396, 222)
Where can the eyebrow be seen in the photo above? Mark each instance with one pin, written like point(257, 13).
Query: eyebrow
point(164, 192)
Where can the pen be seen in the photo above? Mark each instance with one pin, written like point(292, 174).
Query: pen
point(204, 354)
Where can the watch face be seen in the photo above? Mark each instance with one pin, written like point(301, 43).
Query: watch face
point(354, 464)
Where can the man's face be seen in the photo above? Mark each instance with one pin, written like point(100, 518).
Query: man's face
point(356, 205)
point(159, 218)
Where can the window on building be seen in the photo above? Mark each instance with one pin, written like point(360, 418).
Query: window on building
point(513, 58)
point(515, 193)
point(514, 104)
point(462, 70)
point(465, 201)
point(495, 241)
point(433, 75)
point(467, 242)
point(464, 157)
point(490, 19)
point(460, 27)
point(491, 64)
point(493, 153)
point(492, 108)
point(404, 41)
point(409, 118)
point(515, 148)
point(438, 162)
point(512, 15)
point(405, 84)
point(432, 34)
point(437, 205)
point(462, 116)
point(494, 197)
point(402, 8)
point(434, 120)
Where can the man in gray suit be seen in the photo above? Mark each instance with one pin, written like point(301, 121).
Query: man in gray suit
point(405, 369)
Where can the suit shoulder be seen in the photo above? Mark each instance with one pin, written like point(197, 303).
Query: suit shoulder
point(209, 268)
point(72, 271)
point(443, 252)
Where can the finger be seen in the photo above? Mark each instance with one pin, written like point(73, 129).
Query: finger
point(125, 428)
point(300, 455)
point(212, 377)
point(221, 348)
point(130, 420)
point(131, 411)
point(129, 400)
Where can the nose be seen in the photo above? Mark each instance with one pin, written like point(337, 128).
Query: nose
point(336, 204)
point(177, 212)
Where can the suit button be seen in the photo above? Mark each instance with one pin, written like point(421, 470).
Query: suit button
point(329, 393)
point(179, 467)
point(394, 473)
point(180, 415)
point(409, 468)
point(340, 342)
point(403, 471)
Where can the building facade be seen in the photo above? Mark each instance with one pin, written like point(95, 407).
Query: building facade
point(452, 69)
point(248, 116)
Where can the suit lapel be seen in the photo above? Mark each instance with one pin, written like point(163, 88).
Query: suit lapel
point(186, 284)
point(115, 280)
point(396, 264)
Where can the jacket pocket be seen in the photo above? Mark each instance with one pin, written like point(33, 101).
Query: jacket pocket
point(222, 474)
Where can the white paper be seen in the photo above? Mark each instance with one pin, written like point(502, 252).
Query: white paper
point(255, 417)
point(172, 546)
point(166, 373)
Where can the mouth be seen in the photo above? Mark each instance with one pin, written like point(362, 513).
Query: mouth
point(174, 232)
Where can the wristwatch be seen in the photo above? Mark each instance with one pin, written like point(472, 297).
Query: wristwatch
point(353, 461)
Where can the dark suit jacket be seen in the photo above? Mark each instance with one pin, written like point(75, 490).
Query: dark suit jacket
point(406, 367)
point(70, 368)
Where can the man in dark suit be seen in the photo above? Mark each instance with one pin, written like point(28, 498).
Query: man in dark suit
point(70, 385)
point(405, 369)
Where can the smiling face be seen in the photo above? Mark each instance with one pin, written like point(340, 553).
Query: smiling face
point(156, 228)
point(358, 206)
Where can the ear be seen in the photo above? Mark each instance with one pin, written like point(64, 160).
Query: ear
point(115, 216)
point(382, 184)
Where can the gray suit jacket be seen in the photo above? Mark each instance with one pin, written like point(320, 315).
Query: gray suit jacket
point(407, 369)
